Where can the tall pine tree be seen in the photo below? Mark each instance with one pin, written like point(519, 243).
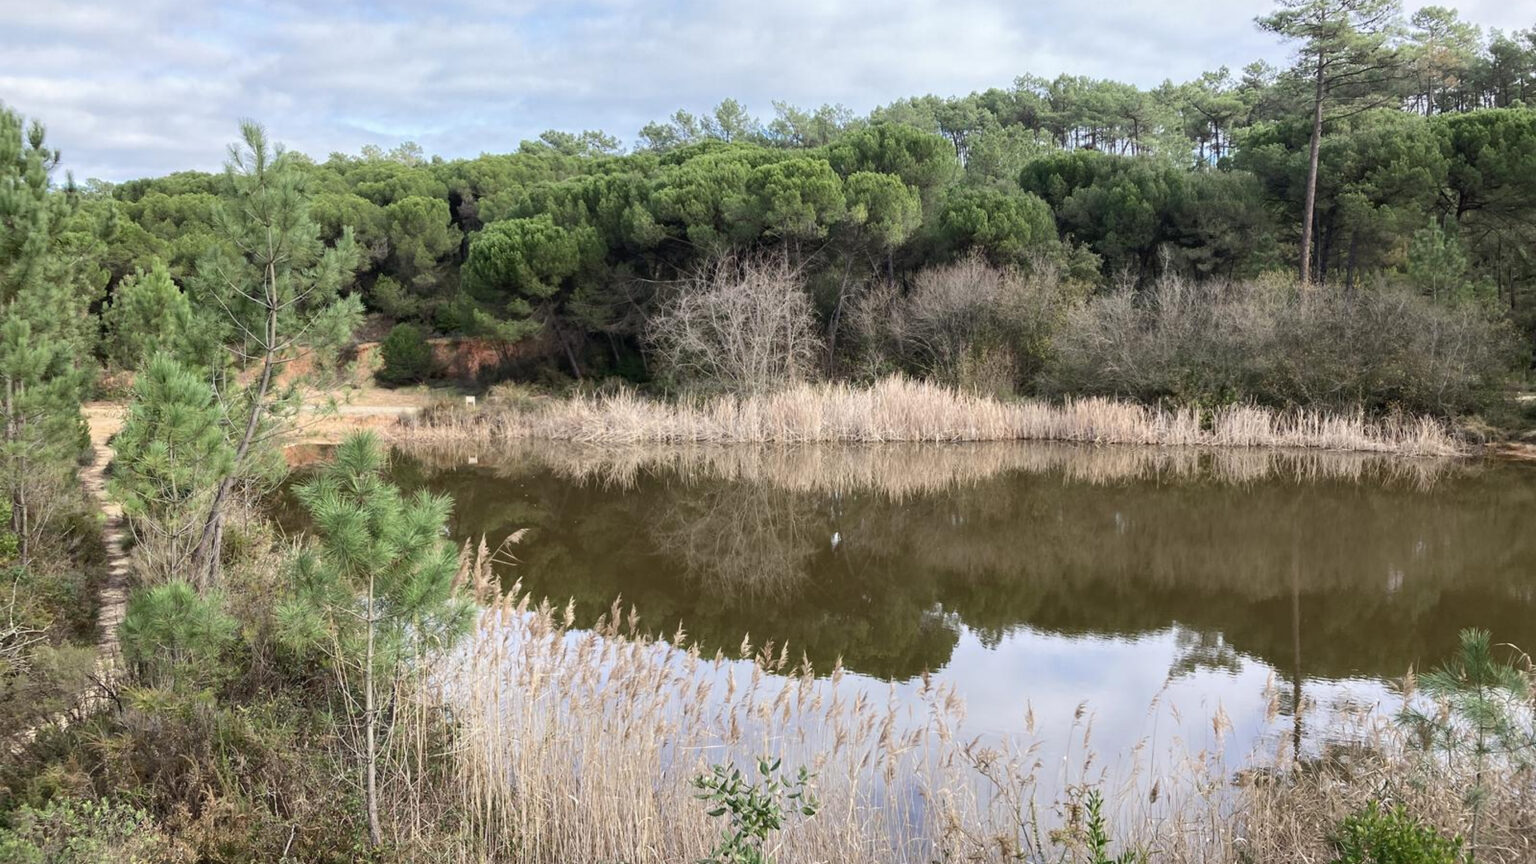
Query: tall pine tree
point(1349, 61)
point(149, 314)
point(377, 592)
point(171, 455)
point(279, 289)
point(43, 343)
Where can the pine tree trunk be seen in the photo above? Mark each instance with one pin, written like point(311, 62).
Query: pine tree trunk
point(210, 544)
point(19, 520)
point(370, 720)
point(835, 323)
point(1311, 201)
point(570, 356)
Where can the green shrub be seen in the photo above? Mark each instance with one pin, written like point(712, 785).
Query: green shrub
point(755, 809)
point(173, 635)
point(83, 832)
point(1377, 836)
point(407, 356)
point(1098, 836)
point(9, 542)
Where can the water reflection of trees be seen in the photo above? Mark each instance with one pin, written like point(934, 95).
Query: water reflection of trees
point(742, 540)
point(744, 545)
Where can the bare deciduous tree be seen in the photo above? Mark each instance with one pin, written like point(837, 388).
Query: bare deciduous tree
point(739, 324)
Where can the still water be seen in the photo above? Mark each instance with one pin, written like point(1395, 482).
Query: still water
point(1031, 577)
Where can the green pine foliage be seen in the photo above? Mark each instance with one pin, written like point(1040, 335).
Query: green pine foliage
point(407, 358)
point(374, 594)
point(170, 456)
point(149, 314)
point(1478, 710)
point(280, 289)
point(43, 334)
point(372, 540)
point(570, 244)
point(174, 636)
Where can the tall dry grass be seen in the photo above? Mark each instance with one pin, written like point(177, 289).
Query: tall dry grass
point(581, 746)
point(905, 410)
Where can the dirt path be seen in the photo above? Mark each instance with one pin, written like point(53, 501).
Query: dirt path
point(104, 420)
point(112, 598)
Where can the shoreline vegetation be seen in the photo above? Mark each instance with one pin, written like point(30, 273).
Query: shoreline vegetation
point(582, 745)
point(904, 410)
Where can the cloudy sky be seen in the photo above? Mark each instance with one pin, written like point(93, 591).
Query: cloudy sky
point(135, 87)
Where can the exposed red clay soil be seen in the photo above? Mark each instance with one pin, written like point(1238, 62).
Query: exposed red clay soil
point(463, 358)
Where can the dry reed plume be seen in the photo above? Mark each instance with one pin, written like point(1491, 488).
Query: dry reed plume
point(906, 410)
point(580, 746)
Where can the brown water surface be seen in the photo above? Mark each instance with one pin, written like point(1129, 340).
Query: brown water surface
point(1023, 573)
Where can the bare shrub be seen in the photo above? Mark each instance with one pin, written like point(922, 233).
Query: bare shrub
point(968, 323)
point(879, 330)
point(738, 324)
point(1272, 342)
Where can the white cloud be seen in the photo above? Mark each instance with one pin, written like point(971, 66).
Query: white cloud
point(131, 88)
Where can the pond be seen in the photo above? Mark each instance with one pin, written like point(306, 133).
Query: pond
point(1042, 579)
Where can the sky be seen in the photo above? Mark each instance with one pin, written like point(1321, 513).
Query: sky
point(129, 88)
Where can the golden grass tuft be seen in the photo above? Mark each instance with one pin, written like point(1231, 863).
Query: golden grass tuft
point(905, 410)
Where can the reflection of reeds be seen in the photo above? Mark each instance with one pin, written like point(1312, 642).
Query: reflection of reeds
point(899, 409)
point(579, 746)
point(902, 470)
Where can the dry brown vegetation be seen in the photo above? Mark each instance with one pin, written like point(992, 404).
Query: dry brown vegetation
point(580, 746)
point(903, 410)
point(1273, 342)
point(965, 323)
point(744, 325)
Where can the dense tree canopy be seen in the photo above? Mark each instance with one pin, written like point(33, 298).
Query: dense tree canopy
point(1425, 152)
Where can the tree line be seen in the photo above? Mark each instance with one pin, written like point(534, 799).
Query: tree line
point(1392, 151)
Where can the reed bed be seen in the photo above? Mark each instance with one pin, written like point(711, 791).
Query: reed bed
point(906, 410)
point(901, 471)
point(580, 746)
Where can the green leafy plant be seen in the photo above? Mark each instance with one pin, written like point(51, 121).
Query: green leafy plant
point(83, 832)
point(1378, 836)
point(755, 809)
point(1098, 835)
